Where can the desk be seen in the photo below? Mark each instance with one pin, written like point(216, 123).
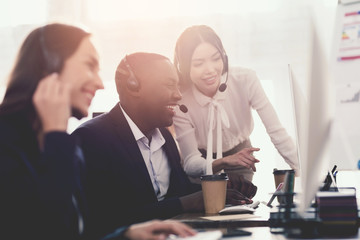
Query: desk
point(258, 226)
point(195, 220)
point(263, 233)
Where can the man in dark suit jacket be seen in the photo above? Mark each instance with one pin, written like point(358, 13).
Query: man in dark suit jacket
point(133, 164)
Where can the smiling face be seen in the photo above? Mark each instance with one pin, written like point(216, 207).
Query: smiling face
point(81, 71)
point(159, 94)
point(206, 68)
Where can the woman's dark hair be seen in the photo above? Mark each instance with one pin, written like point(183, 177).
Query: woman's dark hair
point(185, 47)
point(44, 51)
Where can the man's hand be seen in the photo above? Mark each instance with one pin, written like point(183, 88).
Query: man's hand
point(193, 202)
point(235, 197)
point(239, 183)
point(158, 230)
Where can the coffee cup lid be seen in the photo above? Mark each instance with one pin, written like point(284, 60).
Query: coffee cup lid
point(283, 171)
point(214, 177)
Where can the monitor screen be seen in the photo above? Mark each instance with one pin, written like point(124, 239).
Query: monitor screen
point(313, 110)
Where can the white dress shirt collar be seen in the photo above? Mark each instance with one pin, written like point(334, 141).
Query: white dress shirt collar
point(154, 157)
point(138, 134)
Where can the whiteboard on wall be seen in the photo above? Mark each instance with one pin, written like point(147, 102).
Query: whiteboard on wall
point(345, 146)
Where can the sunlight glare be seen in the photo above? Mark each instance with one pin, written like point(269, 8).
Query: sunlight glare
point(17, 12)
point(114, 10)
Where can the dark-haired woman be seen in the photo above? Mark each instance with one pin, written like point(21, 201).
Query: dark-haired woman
point(55, 77)
point(214, 134)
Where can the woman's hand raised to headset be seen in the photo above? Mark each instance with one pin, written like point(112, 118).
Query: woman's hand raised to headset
point(52, 103)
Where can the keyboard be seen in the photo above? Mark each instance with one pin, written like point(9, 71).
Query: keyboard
point(246, 208)
point(208, 235)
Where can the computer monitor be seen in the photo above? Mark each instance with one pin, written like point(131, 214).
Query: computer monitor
point(313, 112)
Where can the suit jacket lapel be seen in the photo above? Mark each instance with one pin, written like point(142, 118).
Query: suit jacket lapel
point(178, 185)
point(169, 151)
point(128, 142)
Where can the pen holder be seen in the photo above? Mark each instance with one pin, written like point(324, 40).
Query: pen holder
point(287, 195)
point(287, 199)
point(327, 183)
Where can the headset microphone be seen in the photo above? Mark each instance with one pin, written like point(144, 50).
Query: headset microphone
point(222, 87)
point(183, 108)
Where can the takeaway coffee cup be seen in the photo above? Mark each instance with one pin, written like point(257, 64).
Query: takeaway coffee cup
point(214, 192)
point(280, 177)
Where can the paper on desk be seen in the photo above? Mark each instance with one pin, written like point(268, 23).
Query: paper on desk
point(230, 217)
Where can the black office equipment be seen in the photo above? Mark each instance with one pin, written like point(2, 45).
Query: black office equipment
point(330, 179)
point(334, 215)
point(232, 232)
point(338, 212)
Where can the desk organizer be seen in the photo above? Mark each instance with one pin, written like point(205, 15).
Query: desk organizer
point(338, 212)
point(335, 215)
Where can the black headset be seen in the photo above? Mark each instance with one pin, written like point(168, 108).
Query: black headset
point(226, 62)
point(52, 64)
point(131, 82)
point(52, 61)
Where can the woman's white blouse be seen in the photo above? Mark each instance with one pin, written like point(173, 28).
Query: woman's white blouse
point(243, 93)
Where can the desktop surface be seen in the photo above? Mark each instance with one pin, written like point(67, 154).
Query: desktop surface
point(263, 233)
point(259, 226)
point(259, 218)
point(257, 233)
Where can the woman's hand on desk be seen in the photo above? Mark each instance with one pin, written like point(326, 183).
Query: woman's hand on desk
point(156, 230)
point(243, 158)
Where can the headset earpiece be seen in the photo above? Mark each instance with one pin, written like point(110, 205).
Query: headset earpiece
point(132, 83)
point(223, 86)
point(52, 61)
point(226, 63)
